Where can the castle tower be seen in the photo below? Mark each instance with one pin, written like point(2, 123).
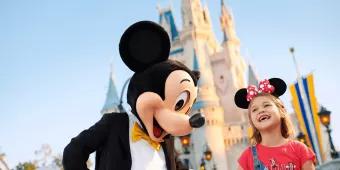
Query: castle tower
point(167, 21)
point(211, 136)
point(227, 25)
point(197, 31)
point(229, 68)
point(112, 102)
point(253, 79)
point(198, 42)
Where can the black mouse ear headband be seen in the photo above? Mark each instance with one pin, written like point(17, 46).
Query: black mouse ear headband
point(143, 44)
point(273, 86)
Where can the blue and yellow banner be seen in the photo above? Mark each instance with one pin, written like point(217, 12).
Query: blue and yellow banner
point(306, 109)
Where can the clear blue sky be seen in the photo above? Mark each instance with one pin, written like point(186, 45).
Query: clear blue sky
point(55, 59)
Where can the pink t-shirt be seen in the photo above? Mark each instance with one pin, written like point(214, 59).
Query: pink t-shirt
point(290, 156)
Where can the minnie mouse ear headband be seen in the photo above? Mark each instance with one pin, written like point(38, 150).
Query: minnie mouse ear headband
point(143, 44)
point(273, 86)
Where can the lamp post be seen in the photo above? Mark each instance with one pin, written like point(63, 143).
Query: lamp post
point(324, 116)
point(202, 165)
point(208, 156)
point(186, 141)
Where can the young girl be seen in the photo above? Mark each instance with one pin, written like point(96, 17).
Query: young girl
point(273, 149)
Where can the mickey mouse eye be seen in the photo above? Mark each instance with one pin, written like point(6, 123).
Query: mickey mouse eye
point(181, 100)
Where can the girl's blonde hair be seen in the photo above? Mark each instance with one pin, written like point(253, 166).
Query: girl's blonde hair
point(287, 130)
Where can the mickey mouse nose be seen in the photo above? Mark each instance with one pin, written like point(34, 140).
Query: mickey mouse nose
point(197, 120)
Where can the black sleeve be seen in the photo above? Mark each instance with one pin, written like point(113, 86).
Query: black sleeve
point(77, 152)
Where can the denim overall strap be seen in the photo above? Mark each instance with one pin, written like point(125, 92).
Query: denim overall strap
point(258, 165)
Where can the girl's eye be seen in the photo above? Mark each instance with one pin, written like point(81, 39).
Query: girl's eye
point(266, 105)
point(182, 100)
point(254, 110)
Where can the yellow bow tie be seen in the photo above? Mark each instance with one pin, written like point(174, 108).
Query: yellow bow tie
point(138, 134)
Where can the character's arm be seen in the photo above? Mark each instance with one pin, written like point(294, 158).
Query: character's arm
point(77, 152)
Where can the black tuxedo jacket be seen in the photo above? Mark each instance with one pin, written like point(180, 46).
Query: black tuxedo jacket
point(109, 137)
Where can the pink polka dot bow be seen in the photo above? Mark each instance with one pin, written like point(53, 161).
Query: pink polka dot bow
point(264, 87)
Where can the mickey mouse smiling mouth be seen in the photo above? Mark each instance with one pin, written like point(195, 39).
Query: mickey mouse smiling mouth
point(157, 130)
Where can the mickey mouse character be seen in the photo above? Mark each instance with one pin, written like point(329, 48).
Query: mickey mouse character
point(161, 93)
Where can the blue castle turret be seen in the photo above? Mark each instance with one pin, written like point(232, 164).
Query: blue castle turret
point(112, 102)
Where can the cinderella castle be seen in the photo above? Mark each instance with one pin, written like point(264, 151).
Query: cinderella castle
point(220, 142)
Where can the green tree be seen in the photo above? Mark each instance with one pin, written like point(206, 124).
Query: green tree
point(26, 166)
point(57, 160)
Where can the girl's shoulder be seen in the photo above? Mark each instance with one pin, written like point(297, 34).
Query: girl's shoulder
point(246, 158)
point(296, 144)
point(246, 152)
point(303, 151)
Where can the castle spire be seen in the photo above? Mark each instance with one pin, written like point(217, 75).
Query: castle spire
point(227, 25)
point(252, 76)
point(167, 21)
point(194, 15)
point(112, 101)
point(197, 26)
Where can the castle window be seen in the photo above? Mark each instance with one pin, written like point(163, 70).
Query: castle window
point(204, 17)
point(221, 77)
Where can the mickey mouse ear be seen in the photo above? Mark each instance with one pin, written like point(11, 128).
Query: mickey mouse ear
point(240, 98)
point(280, 86)
point(143, 44)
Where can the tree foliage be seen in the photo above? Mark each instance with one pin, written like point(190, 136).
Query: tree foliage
point(26, 166)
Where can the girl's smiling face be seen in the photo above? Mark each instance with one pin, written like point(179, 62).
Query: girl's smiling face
point(264, 113)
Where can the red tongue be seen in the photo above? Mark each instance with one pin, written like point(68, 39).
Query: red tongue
point(157, 132)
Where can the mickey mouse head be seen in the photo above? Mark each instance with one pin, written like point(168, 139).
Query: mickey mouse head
point(161, 91)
